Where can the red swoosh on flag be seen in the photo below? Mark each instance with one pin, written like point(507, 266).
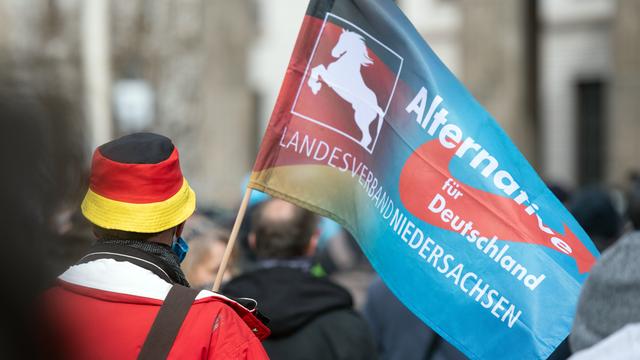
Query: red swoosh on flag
point(422, 178)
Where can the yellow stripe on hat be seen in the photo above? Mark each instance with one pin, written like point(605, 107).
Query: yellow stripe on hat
point(143, 218)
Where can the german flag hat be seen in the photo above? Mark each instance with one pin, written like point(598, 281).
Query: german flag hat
point(136, 185)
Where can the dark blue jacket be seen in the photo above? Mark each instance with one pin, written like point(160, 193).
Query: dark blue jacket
point(400, 335)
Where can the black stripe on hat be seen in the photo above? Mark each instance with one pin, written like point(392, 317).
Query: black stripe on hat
point(138, 148)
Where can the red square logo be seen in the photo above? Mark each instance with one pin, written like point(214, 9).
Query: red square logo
point(348, 83)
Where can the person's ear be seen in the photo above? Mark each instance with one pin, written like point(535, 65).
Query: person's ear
point(313, 243)
point(179, 229)
point(252, 241)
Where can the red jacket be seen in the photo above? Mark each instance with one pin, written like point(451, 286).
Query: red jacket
point(104, 309)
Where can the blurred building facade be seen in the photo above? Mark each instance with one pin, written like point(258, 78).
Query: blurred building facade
point(561, 76)
point(173, 67)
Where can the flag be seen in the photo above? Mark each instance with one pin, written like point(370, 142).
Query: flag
point(372, 130)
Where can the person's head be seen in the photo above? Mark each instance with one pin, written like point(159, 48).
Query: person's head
point(281, 230)
point(560, 191)
point(203, 261)
point(207, 242)
point(137, 191)
point(595, 210)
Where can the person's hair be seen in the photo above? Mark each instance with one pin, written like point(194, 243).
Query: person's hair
point(200, 244)
point(111, 234)
point(280, 237)
point(595, 210)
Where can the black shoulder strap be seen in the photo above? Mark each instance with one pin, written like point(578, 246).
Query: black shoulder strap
point(167, 324)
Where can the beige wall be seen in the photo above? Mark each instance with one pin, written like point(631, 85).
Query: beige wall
point(494, 65)
point(624, 134)
point(194, 54)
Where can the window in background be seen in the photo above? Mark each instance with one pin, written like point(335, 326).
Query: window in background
point(591, 130)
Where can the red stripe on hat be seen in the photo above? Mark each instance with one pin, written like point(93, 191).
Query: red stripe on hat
point(136, 183)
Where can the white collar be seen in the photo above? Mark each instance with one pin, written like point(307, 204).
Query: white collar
point(122, 277)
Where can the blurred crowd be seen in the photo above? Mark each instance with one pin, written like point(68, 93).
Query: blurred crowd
point(610, 216)
point(305, 272)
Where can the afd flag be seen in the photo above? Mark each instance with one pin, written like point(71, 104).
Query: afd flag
point(373, 131)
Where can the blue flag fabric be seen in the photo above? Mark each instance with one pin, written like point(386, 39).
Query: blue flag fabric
point(373, 131)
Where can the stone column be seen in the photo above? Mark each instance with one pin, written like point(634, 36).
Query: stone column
point(494, 65)
point(194, 55)
point(227, 135)
point(624, 130)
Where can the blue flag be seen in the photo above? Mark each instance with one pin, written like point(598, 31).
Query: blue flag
point(373, 131)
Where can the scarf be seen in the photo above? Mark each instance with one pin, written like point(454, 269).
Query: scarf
point(161, 252)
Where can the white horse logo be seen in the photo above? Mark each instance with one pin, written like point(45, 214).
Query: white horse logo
point(344, 77)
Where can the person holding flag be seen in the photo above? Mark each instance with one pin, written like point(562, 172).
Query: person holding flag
point(127, 297)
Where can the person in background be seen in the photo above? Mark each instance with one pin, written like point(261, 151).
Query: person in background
point(127, 297)
point(560, 191)
point(624, 344)
point(39, 150)
point(398, 333)
point(310, 316)
point(596, 210)
point(207, 242)
point(610, 297)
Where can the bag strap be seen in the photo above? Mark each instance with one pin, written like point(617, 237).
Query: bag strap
point(167, 323)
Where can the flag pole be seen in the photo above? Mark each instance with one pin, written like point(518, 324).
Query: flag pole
point(232, 238)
